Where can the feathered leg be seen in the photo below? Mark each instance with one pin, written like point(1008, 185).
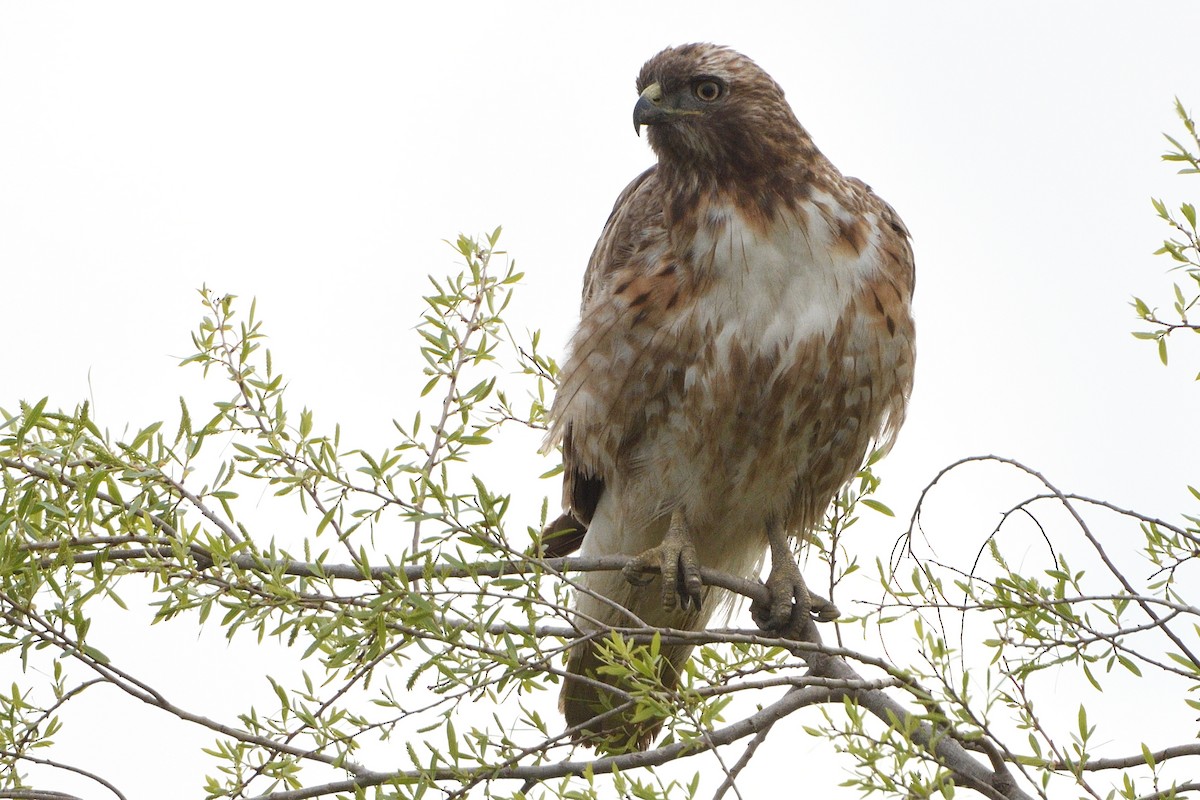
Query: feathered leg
point(790, 598)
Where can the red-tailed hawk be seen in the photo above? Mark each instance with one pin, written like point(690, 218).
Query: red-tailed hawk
point(745, 340)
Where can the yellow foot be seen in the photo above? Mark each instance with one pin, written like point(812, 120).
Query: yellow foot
point(675, 559)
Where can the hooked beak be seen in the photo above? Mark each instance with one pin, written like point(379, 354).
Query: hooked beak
point(649, 109)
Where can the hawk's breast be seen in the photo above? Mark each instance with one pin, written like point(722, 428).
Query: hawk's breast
point(742, 374)
point(784, 283)
point(786, 367)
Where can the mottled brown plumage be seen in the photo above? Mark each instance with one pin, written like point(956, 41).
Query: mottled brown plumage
point(745, 339)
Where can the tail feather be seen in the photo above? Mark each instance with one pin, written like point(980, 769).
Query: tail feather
point(563, 536)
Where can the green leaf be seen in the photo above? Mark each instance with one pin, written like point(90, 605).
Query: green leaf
point(31, 417)
point(143, 435)
point(95, 654)
point(1129, 665)
point(877, 506)
point(1185, 662)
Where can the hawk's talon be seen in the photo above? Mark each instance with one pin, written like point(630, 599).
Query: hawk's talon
point(791, 602)
point(675, 559)
point(641, 571)
point(823, 610)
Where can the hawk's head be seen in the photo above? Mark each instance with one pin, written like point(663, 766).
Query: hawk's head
point(711, 108)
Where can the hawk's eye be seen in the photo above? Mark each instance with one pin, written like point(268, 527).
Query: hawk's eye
point(707, 90)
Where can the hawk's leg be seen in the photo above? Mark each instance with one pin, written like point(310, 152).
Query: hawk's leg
point(791, 601)
point(676, 560)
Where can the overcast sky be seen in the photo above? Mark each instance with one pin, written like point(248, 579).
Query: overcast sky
point(316, 155)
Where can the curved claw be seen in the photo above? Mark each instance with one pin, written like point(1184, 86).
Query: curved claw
point(642, 569)
point(675, 559)
point(823, 610)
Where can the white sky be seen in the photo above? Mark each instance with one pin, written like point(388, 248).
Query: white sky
point(315, 155)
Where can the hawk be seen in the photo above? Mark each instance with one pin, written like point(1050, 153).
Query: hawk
point(745, 340)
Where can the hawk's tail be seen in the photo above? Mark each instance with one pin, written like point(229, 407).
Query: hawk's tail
point(593, 696)
point(607, 704)
point(597, 697)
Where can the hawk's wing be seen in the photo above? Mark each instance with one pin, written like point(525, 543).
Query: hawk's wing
point(633, 234)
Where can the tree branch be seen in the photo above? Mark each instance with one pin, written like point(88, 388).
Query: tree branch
point(1125, 762)
point(42, 794)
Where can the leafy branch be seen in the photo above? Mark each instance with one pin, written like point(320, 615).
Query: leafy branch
point(1183, 248)
point(432, 632)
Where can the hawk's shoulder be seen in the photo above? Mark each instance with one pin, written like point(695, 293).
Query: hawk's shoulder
point(895, 243)
point(635, 222)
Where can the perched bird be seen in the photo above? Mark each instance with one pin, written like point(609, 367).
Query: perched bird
point(745, 340)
